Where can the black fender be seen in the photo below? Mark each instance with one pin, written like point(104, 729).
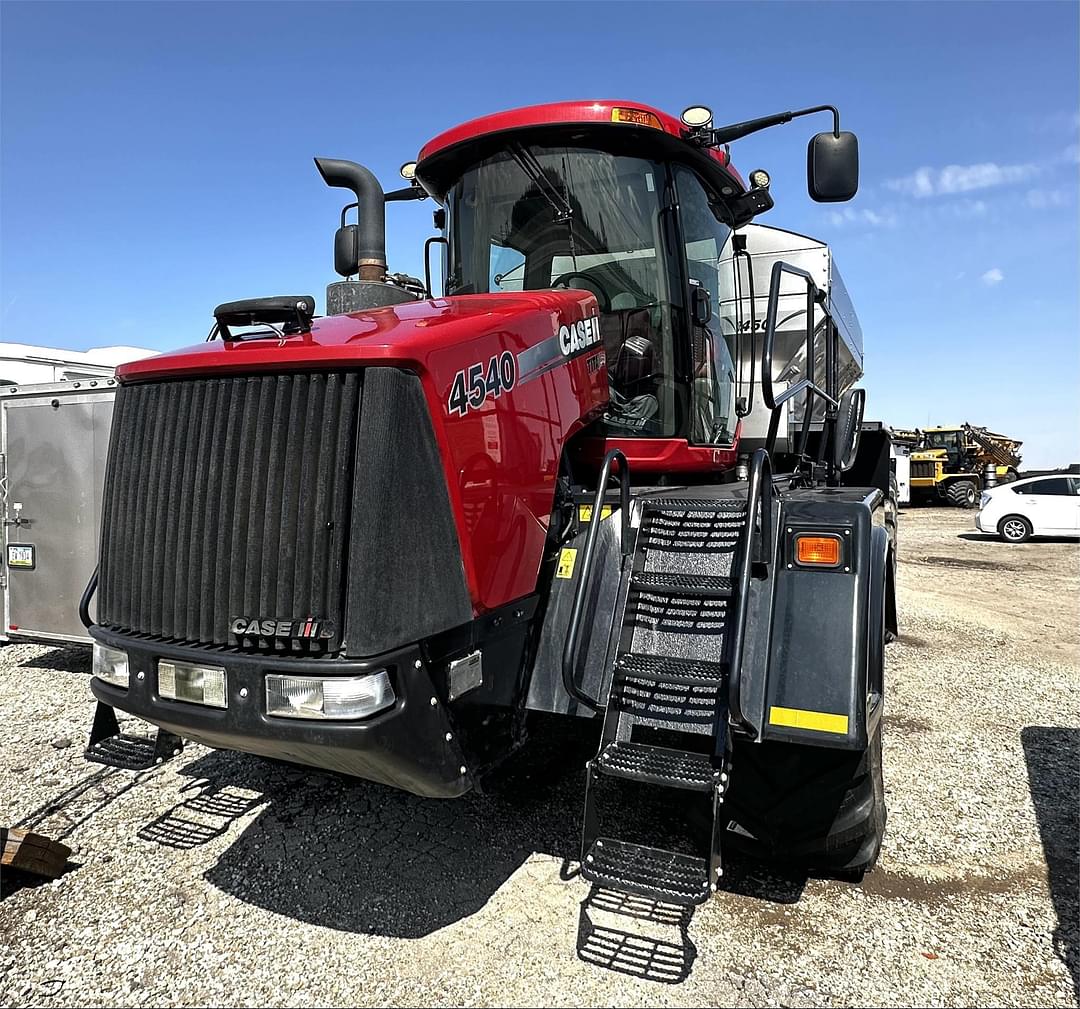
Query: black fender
point(825, 676)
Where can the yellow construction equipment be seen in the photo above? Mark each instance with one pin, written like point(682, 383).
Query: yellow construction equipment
point(950, 464)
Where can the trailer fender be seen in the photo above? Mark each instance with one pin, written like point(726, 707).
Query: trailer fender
point(825, 679)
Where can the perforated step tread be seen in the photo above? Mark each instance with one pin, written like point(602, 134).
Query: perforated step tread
point(657, 765)
point(666, 504)
point(650, 872)
point(666, 669)
point(683, 584)
point(133, 753)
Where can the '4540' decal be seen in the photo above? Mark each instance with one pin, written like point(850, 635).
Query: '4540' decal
point(475, 385)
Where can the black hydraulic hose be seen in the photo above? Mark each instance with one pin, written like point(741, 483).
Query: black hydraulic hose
point(84, 603)
point(760, 481)
point(569, 658)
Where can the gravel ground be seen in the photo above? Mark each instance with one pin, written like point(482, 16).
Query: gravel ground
point(219, 879)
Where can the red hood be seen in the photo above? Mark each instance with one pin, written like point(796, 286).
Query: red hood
point(404, 334)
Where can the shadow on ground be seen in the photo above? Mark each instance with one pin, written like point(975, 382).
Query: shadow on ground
point(978, 537)
point(1053, 763)
point(68, 659)
point(361, 857)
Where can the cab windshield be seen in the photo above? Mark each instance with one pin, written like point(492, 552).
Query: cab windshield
point(542, 217)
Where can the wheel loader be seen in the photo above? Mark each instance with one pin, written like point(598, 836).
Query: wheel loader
point(951, 465)
point(388, 540)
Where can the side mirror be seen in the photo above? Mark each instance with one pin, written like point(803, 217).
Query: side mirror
point(700, 305)
point(832, 167)
point(347, 250)
point(849, 423)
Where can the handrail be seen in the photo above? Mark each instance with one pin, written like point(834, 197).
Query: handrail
point(800, 386)
point(585, 572)
point(84, 602)
point(760, 487)
point(741, 253)
point(807, 384)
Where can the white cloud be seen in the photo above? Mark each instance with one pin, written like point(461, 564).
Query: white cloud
point(992, 276)
point(1045, 199)
point(883, 218)
point(1071, 154)
point(952, 179)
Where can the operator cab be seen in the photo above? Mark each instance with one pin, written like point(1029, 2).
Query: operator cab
point(623, 201)
point(604, 207)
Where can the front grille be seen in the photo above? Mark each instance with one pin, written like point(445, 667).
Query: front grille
point(924, 470)
point(228, 497)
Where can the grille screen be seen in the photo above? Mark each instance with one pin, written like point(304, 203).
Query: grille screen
point(228, 497)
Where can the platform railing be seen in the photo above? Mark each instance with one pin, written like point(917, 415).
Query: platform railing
point(808, 385)
point(585, 572)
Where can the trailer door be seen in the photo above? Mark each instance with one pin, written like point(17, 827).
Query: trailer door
point(55, 443)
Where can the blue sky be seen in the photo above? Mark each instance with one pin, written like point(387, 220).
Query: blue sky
point(155, 160)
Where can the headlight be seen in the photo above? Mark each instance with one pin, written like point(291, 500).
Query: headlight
point(328, 697)
point(984, 500)
point(187, 681)
point(110, 665)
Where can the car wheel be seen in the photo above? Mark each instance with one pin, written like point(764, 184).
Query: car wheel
point(1014, 529)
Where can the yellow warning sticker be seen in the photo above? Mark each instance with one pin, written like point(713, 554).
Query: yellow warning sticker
point(585, 512)
point(816, 721)
point(567, 557)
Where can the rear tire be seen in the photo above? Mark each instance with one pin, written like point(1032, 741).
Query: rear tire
point(1015, 529)
point(962, 493)
point(818, 808)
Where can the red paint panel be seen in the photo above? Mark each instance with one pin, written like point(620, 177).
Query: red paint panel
point(502, 458)
point(654, 456)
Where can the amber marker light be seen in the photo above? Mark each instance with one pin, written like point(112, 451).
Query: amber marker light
point(636, 117)
point(819, 551)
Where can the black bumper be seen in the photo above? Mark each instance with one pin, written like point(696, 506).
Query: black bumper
point(406, 746)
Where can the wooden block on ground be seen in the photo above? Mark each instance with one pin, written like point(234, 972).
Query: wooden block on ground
point(30, 852)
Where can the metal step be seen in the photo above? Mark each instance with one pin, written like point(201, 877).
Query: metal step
point(670, 504)
point(683, 584)
point(133, 753)
point(650, 872)
point(109, 746)
point(657, 765)
point(665, 669)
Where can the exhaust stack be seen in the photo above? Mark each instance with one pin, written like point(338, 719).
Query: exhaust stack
point(367, 237)
point(359, 248)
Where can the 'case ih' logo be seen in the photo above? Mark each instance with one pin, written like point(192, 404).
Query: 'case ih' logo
point(579, 336)
point(260, 627)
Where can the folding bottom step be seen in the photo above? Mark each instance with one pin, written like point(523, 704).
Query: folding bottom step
point(649, 872)
point(133, 753)
point(109, 746)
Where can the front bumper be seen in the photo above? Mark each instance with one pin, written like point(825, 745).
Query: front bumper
point(411, 746)
point(979, 523)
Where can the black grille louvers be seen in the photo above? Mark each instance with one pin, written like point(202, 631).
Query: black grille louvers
point(228, 497)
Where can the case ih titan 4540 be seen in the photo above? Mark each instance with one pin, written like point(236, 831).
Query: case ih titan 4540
point(376, 541)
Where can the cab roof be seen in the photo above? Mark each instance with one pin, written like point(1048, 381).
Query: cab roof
point(608, 113)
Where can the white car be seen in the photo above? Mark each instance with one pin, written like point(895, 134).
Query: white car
point(1037, 506)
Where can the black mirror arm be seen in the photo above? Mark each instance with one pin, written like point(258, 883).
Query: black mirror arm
point(726, 134)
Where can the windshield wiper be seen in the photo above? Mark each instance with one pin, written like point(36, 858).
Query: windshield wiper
point(527, 162)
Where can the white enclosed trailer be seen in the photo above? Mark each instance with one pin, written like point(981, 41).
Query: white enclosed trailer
point(54, 441)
